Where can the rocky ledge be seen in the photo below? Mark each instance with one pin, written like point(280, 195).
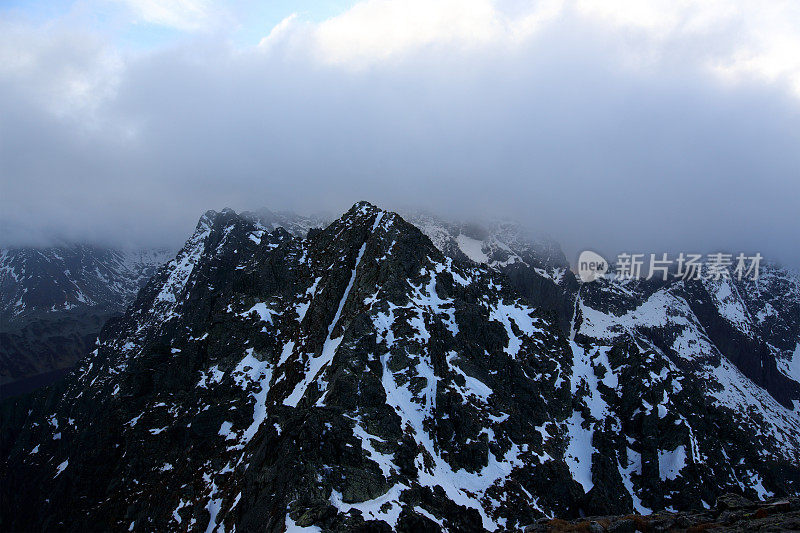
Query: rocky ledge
point(731, 513)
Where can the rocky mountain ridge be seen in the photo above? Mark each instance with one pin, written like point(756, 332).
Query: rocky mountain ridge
point(56, 299)
point(361, 378)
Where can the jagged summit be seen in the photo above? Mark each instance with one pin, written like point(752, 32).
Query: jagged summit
point(357, 376)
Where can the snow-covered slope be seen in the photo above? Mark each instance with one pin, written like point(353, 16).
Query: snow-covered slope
point(497, 243)
point(695, 415)
point(360, 378)
point(535, 266)
point(298, 225)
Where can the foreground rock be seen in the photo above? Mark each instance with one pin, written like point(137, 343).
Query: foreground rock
point(731, 513)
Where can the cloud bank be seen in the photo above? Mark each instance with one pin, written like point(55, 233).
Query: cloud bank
point(615, 126)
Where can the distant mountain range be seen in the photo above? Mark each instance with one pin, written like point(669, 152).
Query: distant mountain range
point(53, 302)
point(385, 373)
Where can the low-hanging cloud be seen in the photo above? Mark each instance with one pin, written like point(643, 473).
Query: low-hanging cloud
point(603, 133)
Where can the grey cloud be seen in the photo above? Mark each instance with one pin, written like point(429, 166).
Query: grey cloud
point(559, 134)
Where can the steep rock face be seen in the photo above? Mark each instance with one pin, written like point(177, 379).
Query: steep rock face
point(773, 305)
point(755, 325)
point(360, 378)
point(665, 393)
point(55, 300)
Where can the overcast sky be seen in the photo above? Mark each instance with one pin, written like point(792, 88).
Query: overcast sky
point(612, 125)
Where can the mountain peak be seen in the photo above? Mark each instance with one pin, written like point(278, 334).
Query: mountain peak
point(363, 205)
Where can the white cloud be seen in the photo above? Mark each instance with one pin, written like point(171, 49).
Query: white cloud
point(379, 30)
point(186, 15)
point(734, 39)
point(743, 39)
point(279, 32)
point(769, 48)
point(64, 71)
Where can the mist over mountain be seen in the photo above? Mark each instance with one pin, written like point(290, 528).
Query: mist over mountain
point(615, 133)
